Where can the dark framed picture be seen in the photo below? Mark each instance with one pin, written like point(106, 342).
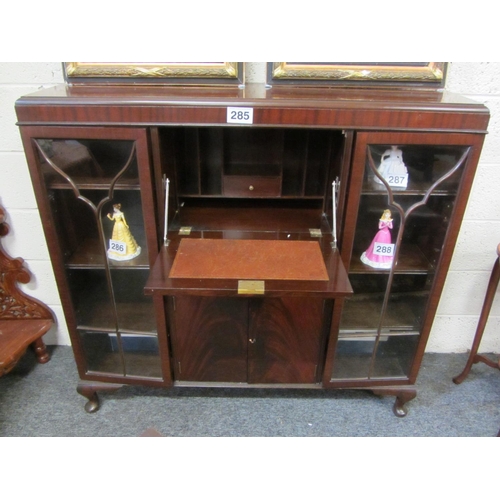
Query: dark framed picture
point(357, 73)
point(185, 73)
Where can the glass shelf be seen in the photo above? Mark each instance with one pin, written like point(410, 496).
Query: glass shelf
point(362, 313)
point(411, 260)
point(89, 254)
point(88, 183)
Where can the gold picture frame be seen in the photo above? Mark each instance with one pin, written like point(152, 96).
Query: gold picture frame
point(354, 73)
point(194, 73)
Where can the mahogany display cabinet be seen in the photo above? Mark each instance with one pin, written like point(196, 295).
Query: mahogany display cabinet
point(238, 237)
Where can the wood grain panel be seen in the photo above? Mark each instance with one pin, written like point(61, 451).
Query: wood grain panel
point(209, 340)
point(284, 340)
point(339, 108)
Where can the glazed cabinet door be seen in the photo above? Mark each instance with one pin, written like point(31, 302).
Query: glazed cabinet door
point(406, 200)
point(94, 190)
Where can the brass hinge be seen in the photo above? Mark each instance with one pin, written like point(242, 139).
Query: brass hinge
point(315, 233)
point(185, 230)
point(249, 287)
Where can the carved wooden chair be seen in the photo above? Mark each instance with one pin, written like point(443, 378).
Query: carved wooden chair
point(23, 319)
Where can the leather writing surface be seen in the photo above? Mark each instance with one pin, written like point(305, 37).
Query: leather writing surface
point(249, 259)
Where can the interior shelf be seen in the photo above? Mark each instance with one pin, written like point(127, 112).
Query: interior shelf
point(416, 187)
point(133, 317)
point(98, 183)
point(410, 261)
point(90, 255)
point(255, 215)
point(361, 313)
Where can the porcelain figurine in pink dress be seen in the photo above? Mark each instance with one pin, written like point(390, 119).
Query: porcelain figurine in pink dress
point(383, 238)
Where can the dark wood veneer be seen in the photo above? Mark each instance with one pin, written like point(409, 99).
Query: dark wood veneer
point(270, 181)
point(342, 109)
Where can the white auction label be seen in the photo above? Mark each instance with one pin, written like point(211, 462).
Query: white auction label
point(240, 115)
point(385, 249)
point(118, 247)
point(397, 180)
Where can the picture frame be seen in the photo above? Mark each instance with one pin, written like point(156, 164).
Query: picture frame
point(357, 73)
point(154, 73)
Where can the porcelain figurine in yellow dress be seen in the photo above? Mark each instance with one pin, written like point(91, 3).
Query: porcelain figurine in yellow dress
point(122, 245)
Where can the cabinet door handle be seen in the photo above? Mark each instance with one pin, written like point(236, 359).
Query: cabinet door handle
point(252, 341)
point(251, 188)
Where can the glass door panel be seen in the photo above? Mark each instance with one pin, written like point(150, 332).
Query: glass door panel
point(365, 357)
point(101, 354)
point(121, 354)
point(394, 355)
point(96, 202)
point(92, 299)
point(407, 198)
point(135, 312)
point(353, 357)
point(141, 355)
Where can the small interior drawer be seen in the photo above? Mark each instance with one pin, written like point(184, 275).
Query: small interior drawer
point(248, 186)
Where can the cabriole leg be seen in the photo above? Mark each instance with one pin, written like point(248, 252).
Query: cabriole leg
point(403, 396)
point(89, 391)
